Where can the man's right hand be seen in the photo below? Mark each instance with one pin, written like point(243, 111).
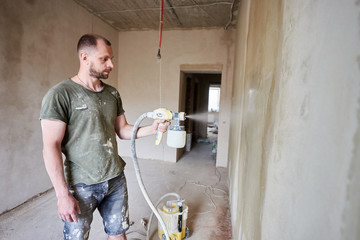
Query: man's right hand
point(68, 208)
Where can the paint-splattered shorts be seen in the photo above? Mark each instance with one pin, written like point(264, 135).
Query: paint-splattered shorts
point(110, 198)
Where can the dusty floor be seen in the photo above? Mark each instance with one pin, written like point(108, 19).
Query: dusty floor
point(195, 178)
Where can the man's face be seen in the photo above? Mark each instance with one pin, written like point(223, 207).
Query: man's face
point(101, 61)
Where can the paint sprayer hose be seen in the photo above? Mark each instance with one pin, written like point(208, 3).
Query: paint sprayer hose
point(141, 184)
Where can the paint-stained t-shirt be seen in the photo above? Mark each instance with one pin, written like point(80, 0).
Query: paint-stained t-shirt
point(89, 143)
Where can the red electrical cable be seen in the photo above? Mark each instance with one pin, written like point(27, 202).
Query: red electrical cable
point(161, 27)
point(161, 22)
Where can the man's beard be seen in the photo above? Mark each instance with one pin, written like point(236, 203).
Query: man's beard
point(97, 74)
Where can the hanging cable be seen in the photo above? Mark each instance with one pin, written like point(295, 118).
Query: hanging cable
point(161, 28)
point(160, 40)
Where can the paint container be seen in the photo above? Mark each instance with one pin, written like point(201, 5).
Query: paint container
point(176, 137)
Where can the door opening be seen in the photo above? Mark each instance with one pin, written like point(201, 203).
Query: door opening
point(200, 100)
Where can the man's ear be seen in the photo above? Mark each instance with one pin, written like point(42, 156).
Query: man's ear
point(83, 56)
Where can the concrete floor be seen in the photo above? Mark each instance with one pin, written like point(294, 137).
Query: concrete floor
point(195, 178)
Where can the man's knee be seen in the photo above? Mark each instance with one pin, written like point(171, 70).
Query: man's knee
point(118, 237)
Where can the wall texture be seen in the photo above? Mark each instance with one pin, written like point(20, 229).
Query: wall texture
point(254, 101)
point(38, 49)
point(294, 152)
point(145, 84)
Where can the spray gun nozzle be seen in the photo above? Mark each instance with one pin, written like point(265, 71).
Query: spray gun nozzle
point(180, 116)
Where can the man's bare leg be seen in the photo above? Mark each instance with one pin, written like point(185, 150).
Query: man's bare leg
point(118, 237)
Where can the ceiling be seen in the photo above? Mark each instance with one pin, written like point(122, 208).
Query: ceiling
point(128, 15)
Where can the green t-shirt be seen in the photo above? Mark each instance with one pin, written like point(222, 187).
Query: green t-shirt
point(89, 143)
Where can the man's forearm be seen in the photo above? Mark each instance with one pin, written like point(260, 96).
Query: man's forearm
point(55, 169)
point(146, 131)
point(126, 132)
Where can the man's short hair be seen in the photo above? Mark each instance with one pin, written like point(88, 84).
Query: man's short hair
point(90, 40)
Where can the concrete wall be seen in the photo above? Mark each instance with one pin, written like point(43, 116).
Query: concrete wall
point(295, 146)
point(38, 49)
point(145, 84)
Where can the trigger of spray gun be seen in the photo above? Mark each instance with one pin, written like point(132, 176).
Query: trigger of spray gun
point(159, 134)
point(163, 114)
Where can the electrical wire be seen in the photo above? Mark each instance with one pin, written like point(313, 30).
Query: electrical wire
point(209, 192)
point(160, 81)
point(161, 28)
point(159, 54)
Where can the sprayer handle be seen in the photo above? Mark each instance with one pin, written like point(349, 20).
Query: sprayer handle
point(159, 135)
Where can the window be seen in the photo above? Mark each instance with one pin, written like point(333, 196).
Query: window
point(214, 99)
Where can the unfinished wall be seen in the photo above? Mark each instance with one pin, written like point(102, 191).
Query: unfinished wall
point(295, 150)
point(142, 87)
point(38, 49)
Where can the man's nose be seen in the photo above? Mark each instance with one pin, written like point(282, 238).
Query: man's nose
point(110, 64)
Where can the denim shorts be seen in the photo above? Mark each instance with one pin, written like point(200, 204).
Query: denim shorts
point(110, 198)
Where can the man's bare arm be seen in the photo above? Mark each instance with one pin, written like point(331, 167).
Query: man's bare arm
point(124, 130)
point(53, 133)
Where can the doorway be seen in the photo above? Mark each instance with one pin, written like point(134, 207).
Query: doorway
point(200, 100)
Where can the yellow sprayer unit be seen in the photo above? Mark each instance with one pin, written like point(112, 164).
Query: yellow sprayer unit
point(171, 215)
point(174, 214)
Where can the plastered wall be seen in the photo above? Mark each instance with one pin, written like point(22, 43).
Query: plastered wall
point(38, 49)
point(294, 150)
point(146, 84)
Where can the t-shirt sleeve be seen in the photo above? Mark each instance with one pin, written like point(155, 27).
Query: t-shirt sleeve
point(120, 109)
point(54, 106)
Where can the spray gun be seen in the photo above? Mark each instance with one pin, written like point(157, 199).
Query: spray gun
point(176, 134)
